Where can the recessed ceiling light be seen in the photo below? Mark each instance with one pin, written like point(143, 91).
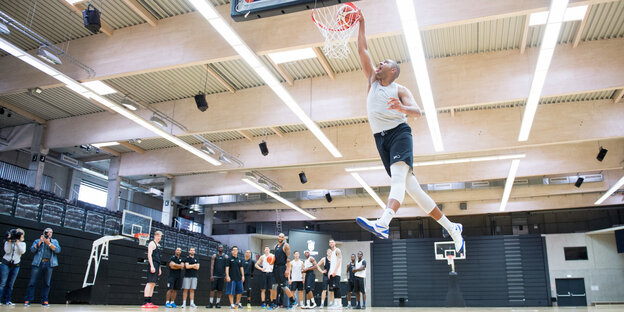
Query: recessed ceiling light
point(292, 55)
point(99, 87)
point(98, 145)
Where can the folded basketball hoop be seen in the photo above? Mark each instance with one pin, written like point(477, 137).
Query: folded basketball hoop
point(336, 24)
point(142, 237)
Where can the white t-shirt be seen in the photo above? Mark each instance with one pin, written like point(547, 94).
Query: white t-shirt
point(358, 265)
point(296, 266)
point(380, 117)
point(266, 267)
point(333, 259)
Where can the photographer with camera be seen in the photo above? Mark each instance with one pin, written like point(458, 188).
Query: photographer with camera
point(45, 249)
point(14, 248)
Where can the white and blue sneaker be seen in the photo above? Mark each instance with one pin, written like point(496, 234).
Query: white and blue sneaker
point(379, 230)
point(456, 235)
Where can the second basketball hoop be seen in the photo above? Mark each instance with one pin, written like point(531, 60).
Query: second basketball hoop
point(336, 24)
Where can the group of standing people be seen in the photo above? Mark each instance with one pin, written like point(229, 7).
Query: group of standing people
point(45, 250)
point(292, 279)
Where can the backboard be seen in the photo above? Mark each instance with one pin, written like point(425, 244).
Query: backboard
point(134, 223)
point(444, 249)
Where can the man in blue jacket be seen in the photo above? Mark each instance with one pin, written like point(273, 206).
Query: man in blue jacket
point(45, 250)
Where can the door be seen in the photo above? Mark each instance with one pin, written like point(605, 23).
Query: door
point(571, 292)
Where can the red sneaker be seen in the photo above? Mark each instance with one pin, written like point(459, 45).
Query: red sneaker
point(146, 305)
point(153, 306)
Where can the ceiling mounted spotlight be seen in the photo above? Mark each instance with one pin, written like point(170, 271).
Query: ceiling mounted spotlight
point(602, 153)
point(579, 181)
point(128, 103)
point(207, 149)
point(263, 148)
point(302, 177)
point(4, 29)
point(44, 53)
point(200, 100)
point(328, 197)
point(157, 121)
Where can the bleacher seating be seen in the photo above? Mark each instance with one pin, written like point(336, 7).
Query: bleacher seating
point(21, 201)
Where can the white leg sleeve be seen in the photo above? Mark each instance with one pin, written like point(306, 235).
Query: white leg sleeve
point(398, 171)
point(416, 192)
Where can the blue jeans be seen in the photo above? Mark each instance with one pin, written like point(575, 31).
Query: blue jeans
point(7, 279)
point(45, 269)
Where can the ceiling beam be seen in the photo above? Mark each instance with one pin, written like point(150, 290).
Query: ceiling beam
point(280, 69)
point(169, 176)
point(321, 57)
point(525, 33)
point(579, 31)
point(618, 95)
point(132, 147)
point(245, 134)
point(110, 151)
point(141, 11)
point(277, 131)
point(188, 47)
point(79, 7)
point(23, 113)
point(216, 75)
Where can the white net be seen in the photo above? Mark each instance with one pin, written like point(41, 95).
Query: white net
point(143, 238)
point(335, 29)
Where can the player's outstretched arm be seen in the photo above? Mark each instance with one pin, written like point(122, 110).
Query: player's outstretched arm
point(365, 58)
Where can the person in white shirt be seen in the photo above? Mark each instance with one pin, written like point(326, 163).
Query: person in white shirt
point(335, 260)
point(14, 248)
point(358, 283)
point(295, 278)
point(267, 275)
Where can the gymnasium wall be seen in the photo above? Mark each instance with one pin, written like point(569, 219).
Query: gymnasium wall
point(498, 271)
point(602, 271)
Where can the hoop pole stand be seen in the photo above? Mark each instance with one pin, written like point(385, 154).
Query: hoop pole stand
point(454, 296)
point(97, 254)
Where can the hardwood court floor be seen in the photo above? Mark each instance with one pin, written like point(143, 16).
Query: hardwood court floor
point(104, 308)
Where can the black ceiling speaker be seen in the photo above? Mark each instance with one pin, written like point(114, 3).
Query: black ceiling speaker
point(579, 181)
point(328, 197)
point(263, 148)
point(602, 153)
point(200, 100)
point(91, 17)
point(302, 177)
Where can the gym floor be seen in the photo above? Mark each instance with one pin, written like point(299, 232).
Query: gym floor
point(94, 308)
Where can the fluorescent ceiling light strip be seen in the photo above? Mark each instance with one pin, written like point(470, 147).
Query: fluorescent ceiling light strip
point(292, 55)
point(368, 189)
point(612, 190)
point(549, 41)
point(279, 198)
point(411, 31)
point(227, 32)
point(10, 48)
point(98, 145)
point(7, 46)
point(576, 13)
point(509, 183)
point(99, 87)
point(444, 162)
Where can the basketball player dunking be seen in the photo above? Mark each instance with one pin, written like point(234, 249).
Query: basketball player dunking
point(388, 104)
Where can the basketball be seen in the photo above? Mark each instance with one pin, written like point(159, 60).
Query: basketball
point(271, 259)
point(348, 14)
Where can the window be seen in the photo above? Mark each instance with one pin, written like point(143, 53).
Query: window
point(92, 194)
point(575, 253)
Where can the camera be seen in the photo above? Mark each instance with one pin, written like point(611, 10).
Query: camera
point(46, 235)
point(14, 235)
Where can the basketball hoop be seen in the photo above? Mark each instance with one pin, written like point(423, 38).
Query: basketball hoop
point(142, 237)
point(336, 30)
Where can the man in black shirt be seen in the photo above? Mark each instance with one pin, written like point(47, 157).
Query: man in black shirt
point(154, 251)
point(235, 276)
point(217, 277)
point(174, 281)
point(191, 266)
point(281, 270)
point(351, 279)
point(248, 268)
